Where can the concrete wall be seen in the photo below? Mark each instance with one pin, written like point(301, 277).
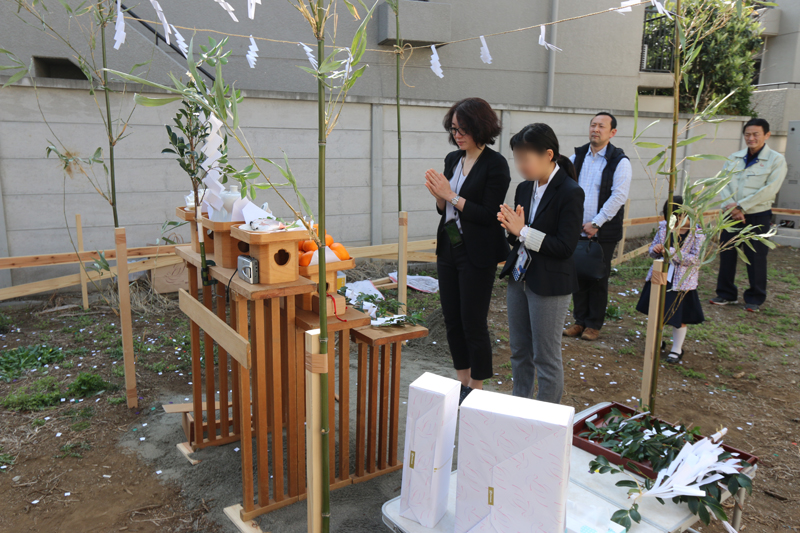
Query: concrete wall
point(604, 49)
point(39, 201)
point(781, 60)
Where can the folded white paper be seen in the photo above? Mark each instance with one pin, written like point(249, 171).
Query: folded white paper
point(513, 464)
point(251, 52)
point(428, 455)
point(436, 65)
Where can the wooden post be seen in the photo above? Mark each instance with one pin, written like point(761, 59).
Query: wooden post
point(84, 276)
point(402, 262)
point(125, 318)
point(625, 215)
point(651, 351)
point(314, 367)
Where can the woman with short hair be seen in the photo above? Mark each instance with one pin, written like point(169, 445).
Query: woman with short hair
point(470, 242)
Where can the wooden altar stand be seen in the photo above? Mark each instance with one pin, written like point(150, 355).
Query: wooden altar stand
point(253, 350)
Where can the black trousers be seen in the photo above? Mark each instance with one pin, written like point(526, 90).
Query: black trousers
point(756, 270)
point(589, 303)
point(466, 292)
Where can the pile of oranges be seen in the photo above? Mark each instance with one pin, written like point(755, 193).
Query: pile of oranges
point(307, 249)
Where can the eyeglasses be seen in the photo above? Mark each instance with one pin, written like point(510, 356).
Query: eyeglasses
point(462, 132)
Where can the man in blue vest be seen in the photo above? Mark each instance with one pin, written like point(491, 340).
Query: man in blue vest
point(604, 174)
point(757, 174)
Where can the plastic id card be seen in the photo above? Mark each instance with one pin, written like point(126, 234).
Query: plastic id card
point(521, 266)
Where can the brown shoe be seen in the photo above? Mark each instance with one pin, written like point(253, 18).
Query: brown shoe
point(590, 334)
point(573, 331)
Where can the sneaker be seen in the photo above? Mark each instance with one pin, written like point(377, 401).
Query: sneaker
point(464, 393)
point(590, 334)
point(573, 331)
point(751, 308)
point(719, 300)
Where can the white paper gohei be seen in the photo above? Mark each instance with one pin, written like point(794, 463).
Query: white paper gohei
point(513, 465)
point(428, 454)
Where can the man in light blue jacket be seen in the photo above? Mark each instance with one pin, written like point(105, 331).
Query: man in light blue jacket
point(757, 175)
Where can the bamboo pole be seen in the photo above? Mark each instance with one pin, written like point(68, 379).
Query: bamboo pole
point(323, 455)
point(84, 276)
point(656, 340)
point(402, 263)
point(314, 399)
point(109, 119)
point(125, 317)
point(398, 44)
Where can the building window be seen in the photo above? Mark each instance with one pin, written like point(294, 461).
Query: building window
point(57, 67)
point(656, 42)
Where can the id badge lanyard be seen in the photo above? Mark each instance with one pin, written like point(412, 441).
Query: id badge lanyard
point(520, 267)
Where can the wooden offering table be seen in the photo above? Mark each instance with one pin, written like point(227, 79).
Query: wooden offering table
point(379, 378)
point(188, 214)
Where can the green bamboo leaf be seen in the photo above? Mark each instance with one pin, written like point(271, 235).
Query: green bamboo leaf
point(691, 140)
point(234, 109)
point(645, 144)
point(153, 102)
point(143, 81)
point(16, 77)
point(636, 115)
point(658, 156)
point(713, 157)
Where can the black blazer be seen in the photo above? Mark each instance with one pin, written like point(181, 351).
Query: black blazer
point(560, 217)
point(483, 191)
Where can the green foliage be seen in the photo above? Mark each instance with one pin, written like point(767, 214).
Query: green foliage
point(5, 324)
point(73, 450)
point(386, 308)
point(17, 360)
point(645, 439)
point(6, 460)
point(36, 396)
point(87, 384)
point(724, 40)
point(117, 401)
point(613, 312)
point(80, 426)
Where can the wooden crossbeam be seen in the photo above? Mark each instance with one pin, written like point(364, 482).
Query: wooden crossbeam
point(237, 346)
point(24, 261)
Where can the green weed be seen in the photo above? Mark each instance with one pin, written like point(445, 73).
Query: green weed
point(5, 324)
point(6, 459)
point(116, 401)
point(37, 422)
point(17, 360)
point(87, 384)
point(72, 450)
point(80, 426)
point(613, 312)
point(39, 395)
point(627, 350)
point(689, 373)
point(118, 371)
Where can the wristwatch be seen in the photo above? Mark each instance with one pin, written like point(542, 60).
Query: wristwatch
point(595, 226)
point(455, 200)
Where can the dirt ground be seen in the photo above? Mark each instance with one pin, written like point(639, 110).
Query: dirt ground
point(86, 467)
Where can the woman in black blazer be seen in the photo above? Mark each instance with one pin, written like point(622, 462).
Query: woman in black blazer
point(544, 229)
point(470, 241)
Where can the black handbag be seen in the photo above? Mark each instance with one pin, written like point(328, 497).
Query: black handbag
point(588, 257)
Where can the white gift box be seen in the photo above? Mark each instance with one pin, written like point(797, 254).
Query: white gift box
point(428, 455)
point(513, 465)
point(587, 518)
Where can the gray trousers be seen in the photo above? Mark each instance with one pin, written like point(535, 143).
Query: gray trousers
point(535, 323)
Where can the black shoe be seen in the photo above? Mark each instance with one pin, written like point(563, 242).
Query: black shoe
point(719, 300)
point(751, 308)
point(674, 357)
point(464, 393)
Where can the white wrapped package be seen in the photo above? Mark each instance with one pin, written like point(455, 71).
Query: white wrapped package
point(428, 455)
point(587, 518)
point(513, 465)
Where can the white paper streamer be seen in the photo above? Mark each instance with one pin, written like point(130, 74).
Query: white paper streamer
point(251, 53)
point(310, 55)
point(162, 18)
point(180, 42)
point(545, 43)
point(251, 8)
point(119, 27)
point(486, 57)
point(227, 7)
point(625, 6)
point(660, 8)
point(436, 66)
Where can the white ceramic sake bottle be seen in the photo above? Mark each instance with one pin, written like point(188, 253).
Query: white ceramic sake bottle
point(229, 197)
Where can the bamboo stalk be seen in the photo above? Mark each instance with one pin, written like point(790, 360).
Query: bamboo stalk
point(399, 43)
point(84, 275)
point(676, 75)
point(112, 174)
point(323, 288)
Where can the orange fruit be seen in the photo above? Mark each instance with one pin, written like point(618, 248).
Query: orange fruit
point(309, 246)
point(305, 258)
point(340, 251)
point(328, 239)
point(300, 245)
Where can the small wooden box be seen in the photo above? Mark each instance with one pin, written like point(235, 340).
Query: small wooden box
point(276, 252)
point(336, 304)
point(227, 249)
point(187, 214)
point(331, 269)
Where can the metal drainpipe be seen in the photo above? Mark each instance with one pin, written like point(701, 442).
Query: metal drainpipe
point(551, 62)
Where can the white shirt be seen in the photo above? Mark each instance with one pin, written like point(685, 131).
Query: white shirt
point(536, 198)
point(589, 180)
point(456, 182)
